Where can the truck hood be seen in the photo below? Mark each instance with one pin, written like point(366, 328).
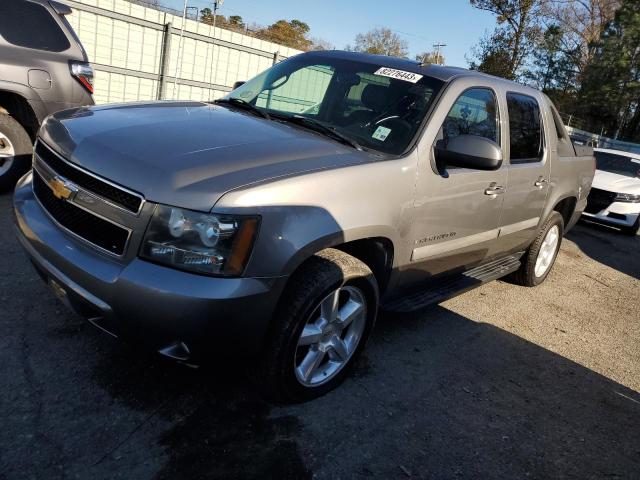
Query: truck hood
point(614, 182)
point(188, 154)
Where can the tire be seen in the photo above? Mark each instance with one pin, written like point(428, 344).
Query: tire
point(526, 275)
point(15, 141)
point(279, 371)
point(633, 229)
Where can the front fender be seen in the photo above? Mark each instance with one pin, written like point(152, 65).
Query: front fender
point(290, 235)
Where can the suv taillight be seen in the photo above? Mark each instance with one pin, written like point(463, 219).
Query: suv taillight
point(83, 72)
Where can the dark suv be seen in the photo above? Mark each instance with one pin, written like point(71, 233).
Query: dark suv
point(43, 69)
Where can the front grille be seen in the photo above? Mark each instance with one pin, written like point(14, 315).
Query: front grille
point(598, 200)
point(94, 229)
point(116, 195)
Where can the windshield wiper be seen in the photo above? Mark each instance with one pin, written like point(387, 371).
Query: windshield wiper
point(240, 103)
point(319, 127)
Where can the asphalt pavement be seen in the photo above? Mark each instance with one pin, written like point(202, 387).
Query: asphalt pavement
point(501, 382)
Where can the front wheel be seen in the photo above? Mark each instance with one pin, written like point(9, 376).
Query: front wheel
point(541, 255)
point(324, 320)
point(15, 152)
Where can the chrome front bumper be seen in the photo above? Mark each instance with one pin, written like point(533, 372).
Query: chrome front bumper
point(142, 301)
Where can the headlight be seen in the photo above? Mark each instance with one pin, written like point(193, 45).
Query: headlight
point(199, 242)
point(627, 197)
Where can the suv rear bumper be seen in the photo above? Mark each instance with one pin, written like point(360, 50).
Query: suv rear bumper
point(143, 302)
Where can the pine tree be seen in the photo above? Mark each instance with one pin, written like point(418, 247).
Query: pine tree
point(610, 93)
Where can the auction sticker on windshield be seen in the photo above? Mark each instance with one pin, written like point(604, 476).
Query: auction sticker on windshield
point(381, 133)
point(398, 74)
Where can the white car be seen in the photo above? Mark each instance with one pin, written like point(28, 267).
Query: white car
point(615, 196)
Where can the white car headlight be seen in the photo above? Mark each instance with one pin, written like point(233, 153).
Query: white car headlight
point(627, 197)
point(199, 242)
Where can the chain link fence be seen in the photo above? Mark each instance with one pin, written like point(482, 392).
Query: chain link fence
point(141, 53)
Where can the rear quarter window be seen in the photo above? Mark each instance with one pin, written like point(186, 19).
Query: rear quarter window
point(31, 25)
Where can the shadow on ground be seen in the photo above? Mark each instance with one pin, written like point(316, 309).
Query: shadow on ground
point(608, 246)
point(437, 398)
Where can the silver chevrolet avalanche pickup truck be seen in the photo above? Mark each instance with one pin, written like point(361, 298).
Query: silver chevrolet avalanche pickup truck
point(272, 224)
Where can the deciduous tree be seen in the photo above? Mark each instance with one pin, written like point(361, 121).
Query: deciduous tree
point(290, 33)
point(381, 41)
point(582, 23)
point(321, 44)
point(503, 52)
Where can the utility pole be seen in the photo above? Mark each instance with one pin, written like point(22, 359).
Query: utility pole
point(439, 59)
point(216, 5)
point(176, 80)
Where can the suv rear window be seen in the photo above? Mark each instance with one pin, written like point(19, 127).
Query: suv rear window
point(525, 129)
point(30, 25)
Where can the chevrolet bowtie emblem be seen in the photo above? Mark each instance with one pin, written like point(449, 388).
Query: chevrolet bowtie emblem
point(60, 189)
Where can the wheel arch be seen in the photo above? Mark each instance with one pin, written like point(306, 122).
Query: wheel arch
point(377, 252)
point(19, 108)
point(565, 207)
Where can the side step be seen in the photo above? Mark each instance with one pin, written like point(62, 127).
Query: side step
point(454, 286)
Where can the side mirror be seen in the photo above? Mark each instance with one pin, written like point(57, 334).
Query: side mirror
point(469, 151)
point(238, 84)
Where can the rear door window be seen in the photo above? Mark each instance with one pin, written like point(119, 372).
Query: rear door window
point(525, 128)
point(30, 25)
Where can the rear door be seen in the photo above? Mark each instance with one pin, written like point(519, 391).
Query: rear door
point(527, 170)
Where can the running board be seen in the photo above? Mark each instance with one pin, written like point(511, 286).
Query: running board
point(454, 286)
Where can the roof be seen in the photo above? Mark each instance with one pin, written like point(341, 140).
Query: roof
point(440, 72)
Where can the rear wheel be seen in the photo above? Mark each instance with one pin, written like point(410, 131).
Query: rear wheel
point(325, 317)
point(15, 152)
point(541, 255)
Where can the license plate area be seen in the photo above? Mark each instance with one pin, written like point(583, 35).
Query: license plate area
point(60, 293)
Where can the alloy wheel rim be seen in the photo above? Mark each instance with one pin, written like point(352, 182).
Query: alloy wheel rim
point(331, 336)
point(547, 251)
point(7, 152)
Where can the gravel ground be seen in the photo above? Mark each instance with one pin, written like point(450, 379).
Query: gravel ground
point(501, 382)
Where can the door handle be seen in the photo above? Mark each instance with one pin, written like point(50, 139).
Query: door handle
point(494, 189)
point(541, 182)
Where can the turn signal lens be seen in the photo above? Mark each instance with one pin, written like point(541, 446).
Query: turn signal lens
point(627, 197)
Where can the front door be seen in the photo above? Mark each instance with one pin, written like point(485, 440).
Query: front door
point(527, 173)
point(457, 210)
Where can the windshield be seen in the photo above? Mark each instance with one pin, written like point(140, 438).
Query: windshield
point(358, 100)
point(619, 164)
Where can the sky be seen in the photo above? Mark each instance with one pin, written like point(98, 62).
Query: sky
point(420, 23)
